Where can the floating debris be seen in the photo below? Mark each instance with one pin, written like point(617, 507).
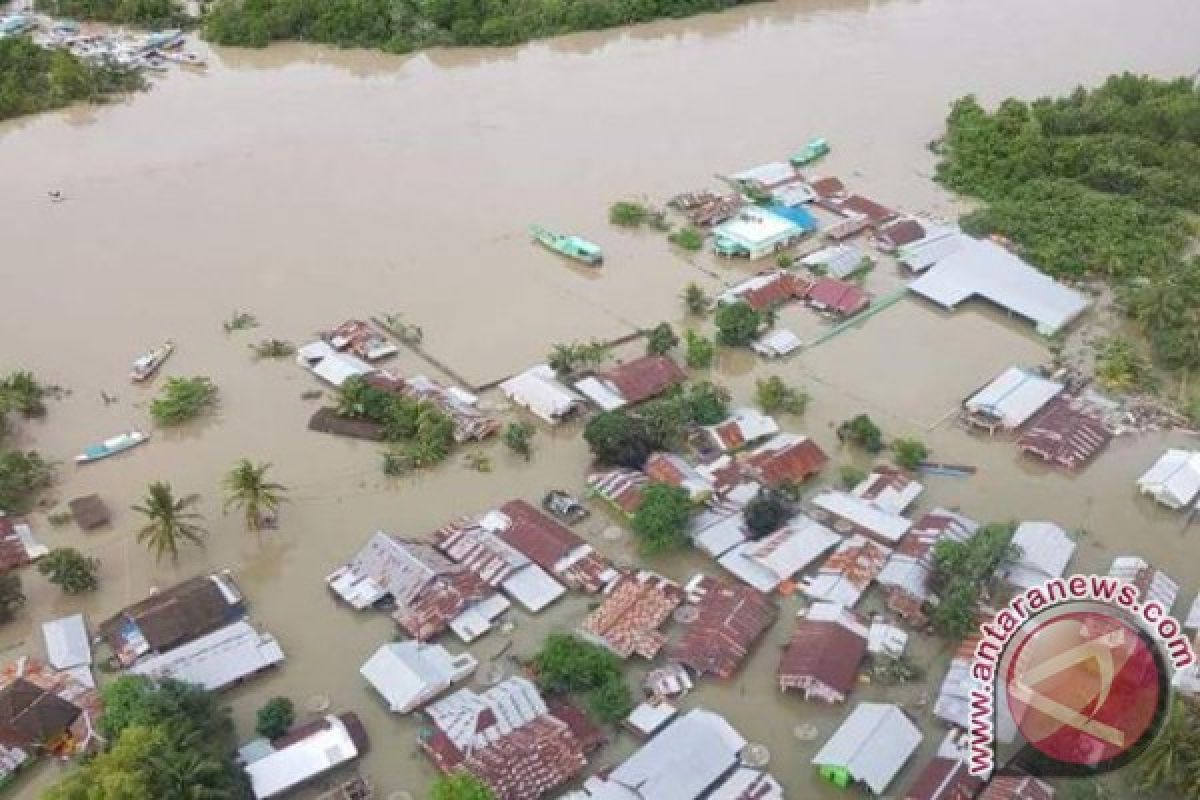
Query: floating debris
point(756, 755)
point(612, 533)
point(806, 732)
point(318, 703)
point(240, 321)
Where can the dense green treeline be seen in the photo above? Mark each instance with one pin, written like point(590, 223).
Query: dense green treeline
point(404, 25)
point(34, 79)
point(1102, 182)
point(142, 13)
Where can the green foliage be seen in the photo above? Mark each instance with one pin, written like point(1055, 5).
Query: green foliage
point(166, 740)
point(766, 512)
point(909, 453)
point(618, 439)
point(661, 340)
point(707, 403)
point(275, 718)
point(627, 438)
point(519, 438)
point(460, 786)
point(12, 597)
point(153, 14)
point(863, 432)
point(273, 348)
point(1098, 182)
point(851, 476)
point(240, 321)
point(70, 570)
point(961, 571)
point(568, 664)
point(169, 522)
point(1172, 761)
point(34, 79)
point(785, 260)
point(565, 359)
point(628, 214)
point(20, 392)
point(1120, 368)
point(772, 395)
point(423, 433)
point(22, 475)
point(247, 488)
point(661, 520)
point(737, 324)
point(687, 238)
point(413, 25)
point(700, 351)
point(695, 299)
point(183, 399)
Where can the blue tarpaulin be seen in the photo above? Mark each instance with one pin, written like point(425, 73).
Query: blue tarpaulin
point(795, 214)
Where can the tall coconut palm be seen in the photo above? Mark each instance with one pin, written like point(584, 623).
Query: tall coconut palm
point(187, 770)
point(1165, 762)
point(170, 521)
point(246, 488)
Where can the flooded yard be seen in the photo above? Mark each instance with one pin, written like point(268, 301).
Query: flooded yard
point(308, 185)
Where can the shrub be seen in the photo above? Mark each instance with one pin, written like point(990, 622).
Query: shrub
point(275, 718)
point(772, 395)
point(661, 520)
point(688, 238)
point(12, 597)
point(519, 438)
point(861, 431)
point(460, 786)
point(695, 299)
point(22, 475)
point(661, 340)
point(618, 439)
point(909, 453)
point(765, 513)
point(700, 351)
point(627, 214)
point(737, 324)
point(70, 570)
point(851, 476)
point(183, 399)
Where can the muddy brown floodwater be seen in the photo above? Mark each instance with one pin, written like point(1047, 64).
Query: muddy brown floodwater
point(309, 185)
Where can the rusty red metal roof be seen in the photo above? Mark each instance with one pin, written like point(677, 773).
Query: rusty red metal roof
point(826, 188)
point(901, 232)
point(784, 459)
point(783, 288)
point(944, 779)
point(645, 377)
point(1017, 787)
point(857, 204)
point(824, 651)
point(729, 619)
point(841, 297)
point(1065, 435)
point(627, 621)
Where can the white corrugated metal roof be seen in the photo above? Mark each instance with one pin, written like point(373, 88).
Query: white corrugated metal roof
point(987, 270)
point(539, 390)
point(602, 393)
point(1193, 618)
point(1159, 586)
point(924, 253)
point(953, 700)
point(1045, 548)
point(649, 717)
point(533, 588)
point(511, 703)
point(748, 784)
point(777, 344)
point(1014, 396)
point(887, 497)
point(873, 744)
point(684, 760)
point(410, 673)
point(329, 365)
point(1173, 480)
point(887, 526)
point(217, 659)
point(302, 761)
point(765, 563)
point(67, 643)
point(837, 260)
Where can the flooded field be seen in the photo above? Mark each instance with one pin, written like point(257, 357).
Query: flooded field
point(308, 185)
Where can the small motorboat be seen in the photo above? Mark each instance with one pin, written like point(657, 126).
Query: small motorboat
point(111, 446)
point(145, 365)
point(569, 245)
point(816, 148)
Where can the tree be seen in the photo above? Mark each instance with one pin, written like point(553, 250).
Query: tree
point(909, 453)
point(851, 475)
point(275, 718)
point(519, 438)
point(169, 522)
point(863, 432)
point(611, 701)
point(737, 324)
point(183, 399)
point(661, 519)
point(22, 475)
point(20, 392)
point(765, 513)
point(962, 571)
point(627, 214)
point(40, 79)
point(70, 570)
point(12, 597)
point(687, 238)
point(618, 439)
point(247, 488)
point(695, 299)
point(460, 786)
point(772, 395)
point(661, 340)
point(568, 664)
point(700, 351)
point(1167, 761)
point(707, 403)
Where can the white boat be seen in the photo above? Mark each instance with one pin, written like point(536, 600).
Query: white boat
point(145, 365)
point(110, 447)
point(184, 58)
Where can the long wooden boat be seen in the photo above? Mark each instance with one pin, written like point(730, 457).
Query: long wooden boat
point(111, 446)
point(145, 365)
point(569, 245)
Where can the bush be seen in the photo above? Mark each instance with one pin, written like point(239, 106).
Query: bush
point(12, 597)
point(688, 238)
point(460, 786)
point(183, 399)
point(273, 348)
point(661, 340)
point(861, 431)
point(909, 453)
point(737, 324)
point(708, 403)
point(661, 520)
point(618, 439)
point(851, 476)
point(275, 718)
point(70, 570)
point(765, 513)
point(151, 14)
point(37, 79)
point(568, 664)
point(519, 438)
point(695, 299)
point(961, 572)
point(22, 475)
point(20, 392)
point(772, 395)
point(627, 214)
point(700, 351)
point(1120, 368)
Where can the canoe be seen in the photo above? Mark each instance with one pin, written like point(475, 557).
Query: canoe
point(569, 245)
point(110, 447)
point(145, 365)
point(810, 152)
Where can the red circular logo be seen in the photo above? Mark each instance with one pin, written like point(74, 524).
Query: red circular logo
point(1084, 688)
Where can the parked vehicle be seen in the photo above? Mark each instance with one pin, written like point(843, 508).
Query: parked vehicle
point(564, 506)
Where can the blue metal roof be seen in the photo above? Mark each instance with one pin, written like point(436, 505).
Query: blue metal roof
point(795, 214)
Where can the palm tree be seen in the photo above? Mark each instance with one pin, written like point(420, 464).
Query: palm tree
point(1165, 762)
point(188, 771)
point(170, 521)
point(246, 488)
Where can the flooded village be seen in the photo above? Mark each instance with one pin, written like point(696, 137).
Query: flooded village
point(373, 212)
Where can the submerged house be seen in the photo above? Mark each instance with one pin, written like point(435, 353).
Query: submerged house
point(327, 363)
point(409, 674)
point(727, 620)
point(620, 487)
point(848, 573)
point(871, 747)
point(632, 382)
point(779, 179)
point(953, 703)
point(360, 338)
point(1173, 480)
point(838, 297)
point(1010, 399)
point(18, 547)
point(430, 592)
point(470, 424)
point(303, 754)
point(946, 776)
point(906, 575)
point(720, 525)
point(986, 270)
point(784, 459)
point(68, 647)
point(922, 254)
point(539, 390)
point(744, 427)
point(45, 711)
point(889, 489)
point(768, 562)
point(216, 660)
point(767, 290)
point(1154, 584)
point(173, 617)
point(824, 654)
point(634, 609)
point(1065, 435)
point(555, 548)
point(893, 235)
point(1044, 550)
point(855, 513)
point(755, 232)
point(673, 469)
point(836, 261)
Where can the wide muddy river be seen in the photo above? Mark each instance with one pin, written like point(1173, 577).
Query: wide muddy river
point(308, 185)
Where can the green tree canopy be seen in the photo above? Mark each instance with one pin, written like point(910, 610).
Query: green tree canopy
point(70, 570)
point(618, 439)
point(661, 520)
point(460, 786)
point(737, 324)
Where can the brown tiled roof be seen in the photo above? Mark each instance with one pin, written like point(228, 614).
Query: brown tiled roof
point(1065, 436)
point(792, 463)
point(1017, 787)
point(33, 715)
point(873, 211)
point(729, 619)
point(943, 779)
point(627, 621)
point(43, 706)
point(174, 615)
point(783, 288)
point(902, 232)
point(827, 187)
point(645, 377)
point(621, 487)
point(823, 651)
point(590, 736)
point(841, 296)
point(89, 511)
point(530, 761)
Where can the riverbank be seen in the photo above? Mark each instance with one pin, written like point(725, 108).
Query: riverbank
point(310, 184)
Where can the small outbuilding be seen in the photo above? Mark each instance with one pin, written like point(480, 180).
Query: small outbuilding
point(1044, 550)
point(539, 390)
point(1173, 480)
point(871, 747)
point(409, 674)
point(1010, 399)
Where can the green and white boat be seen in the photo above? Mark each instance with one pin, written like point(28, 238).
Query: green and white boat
point(816, 148)
point(569, 245)
point(111, 446)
